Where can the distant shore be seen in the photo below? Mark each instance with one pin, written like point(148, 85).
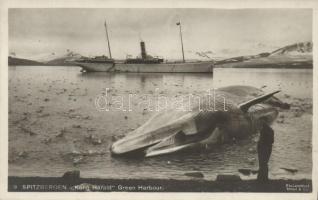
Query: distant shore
point(230, 65)
point(57, 184)
point(262, 64)
point(268, 66)
point(302, 65)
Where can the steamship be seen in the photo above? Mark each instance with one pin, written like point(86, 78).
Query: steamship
point(145, 63)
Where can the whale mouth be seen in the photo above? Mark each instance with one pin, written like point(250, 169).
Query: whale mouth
point(175, 142)
point(151, 153)
point(140, 152)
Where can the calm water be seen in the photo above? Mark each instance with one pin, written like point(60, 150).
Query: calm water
point(68, 89)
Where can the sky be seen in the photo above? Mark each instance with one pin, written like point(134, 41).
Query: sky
point(40, 31)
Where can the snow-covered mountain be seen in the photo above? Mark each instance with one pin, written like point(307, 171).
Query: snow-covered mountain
point(297, 55)
point(56, 58)
point(46, 59)
point(64, 59)
point(295, 49)
point(259, 53)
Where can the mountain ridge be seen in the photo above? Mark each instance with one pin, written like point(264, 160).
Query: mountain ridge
point(296, 54)
point(15, 61)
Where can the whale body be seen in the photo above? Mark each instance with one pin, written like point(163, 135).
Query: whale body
point(236, 115)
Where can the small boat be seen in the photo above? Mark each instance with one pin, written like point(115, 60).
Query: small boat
point(146, 63)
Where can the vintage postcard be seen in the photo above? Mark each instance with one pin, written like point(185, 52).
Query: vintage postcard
point(161, 100)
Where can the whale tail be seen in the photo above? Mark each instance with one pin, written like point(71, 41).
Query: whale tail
point(246, 105)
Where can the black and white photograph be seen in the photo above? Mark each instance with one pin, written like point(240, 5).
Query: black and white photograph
point(160, 100)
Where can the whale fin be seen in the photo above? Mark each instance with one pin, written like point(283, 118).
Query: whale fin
point(246, 105)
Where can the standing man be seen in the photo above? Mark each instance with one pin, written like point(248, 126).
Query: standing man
point(264, 150)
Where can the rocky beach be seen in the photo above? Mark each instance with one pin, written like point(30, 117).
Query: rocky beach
point(55, 126)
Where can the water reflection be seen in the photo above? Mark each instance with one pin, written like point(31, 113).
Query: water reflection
point(150, 81)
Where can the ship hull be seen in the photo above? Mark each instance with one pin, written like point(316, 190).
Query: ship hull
point(194, 67)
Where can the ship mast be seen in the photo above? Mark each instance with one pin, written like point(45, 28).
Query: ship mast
point(180, 29)
point(110, 53)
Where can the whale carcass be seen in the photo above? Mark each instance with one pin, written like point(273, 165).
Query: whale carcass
point(235, 116)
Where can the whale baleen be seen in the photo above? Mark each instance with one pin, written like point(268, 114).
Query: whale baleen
point(235, 117)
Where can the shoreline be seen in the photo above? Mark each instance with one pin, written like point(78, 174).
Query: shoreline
point(56, 111)
point(75, 184)
point(227, 65)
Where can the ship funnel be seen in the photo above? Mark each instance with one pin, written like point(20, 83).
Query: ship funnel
point(143, 50)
